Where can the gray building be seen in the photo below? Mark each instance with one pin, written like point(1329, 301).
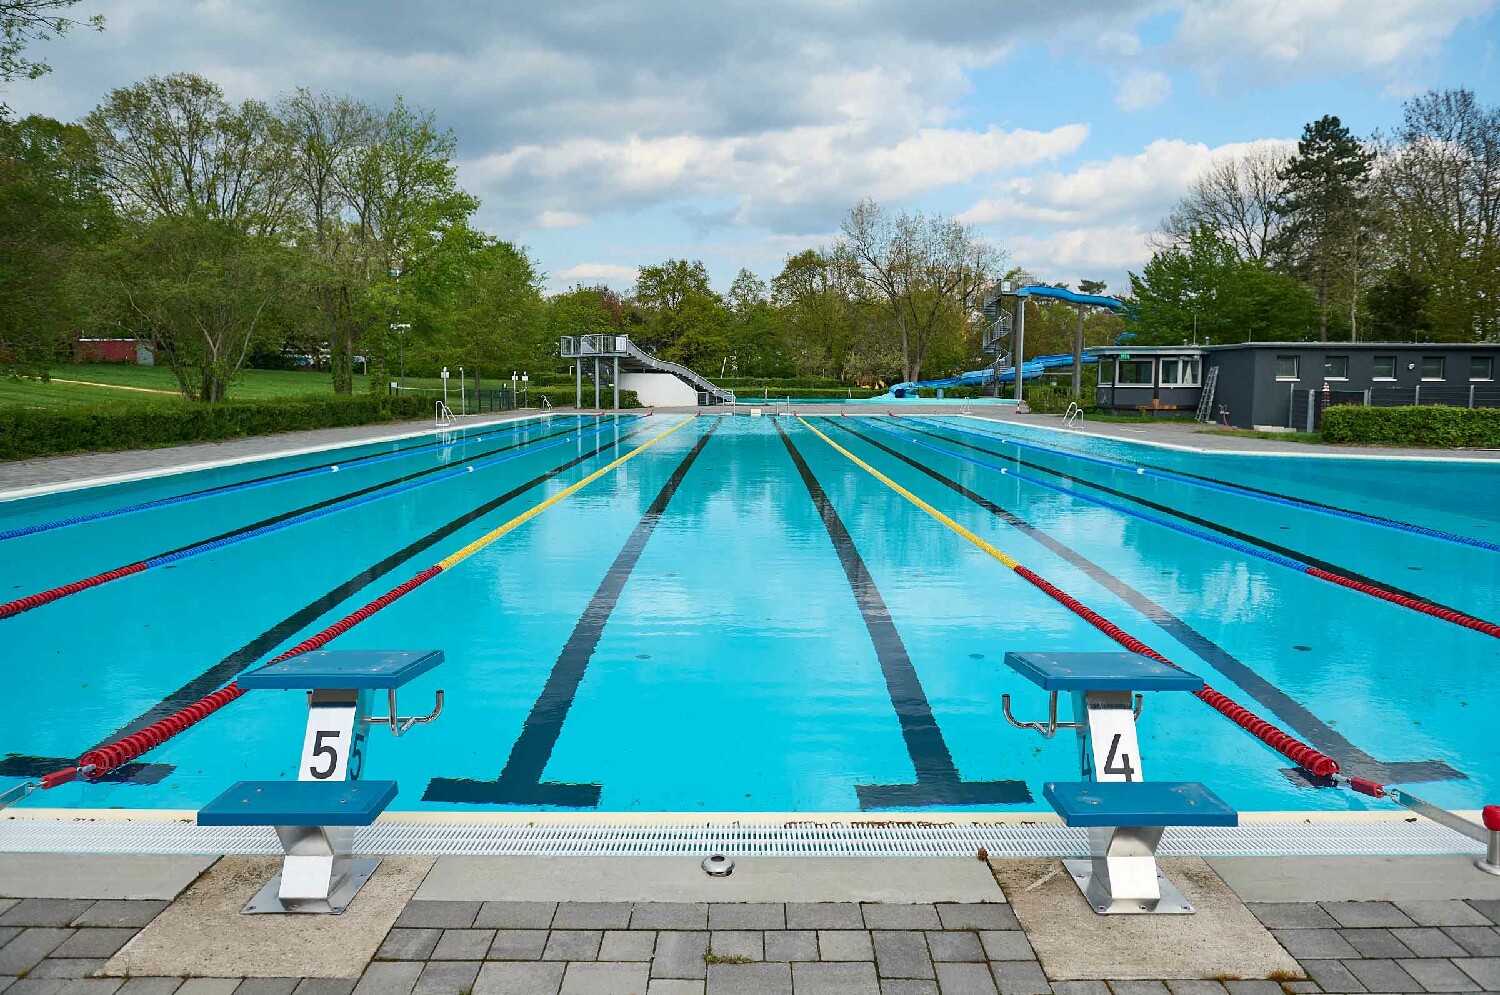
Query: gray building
point(1281, 384)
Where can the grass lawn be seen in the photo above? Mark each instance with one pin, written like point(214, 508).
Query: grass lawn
point(35, 394)
point(250, 384)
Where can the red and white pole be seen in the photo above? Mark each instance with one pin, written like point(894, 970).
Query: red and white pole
point(1490, 862)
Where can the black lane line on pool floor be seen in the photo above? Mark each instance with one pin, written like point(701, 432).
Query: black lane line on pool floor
point(1284, 706)
point(938, 781)
point(520, 782)
point(19, 765)
point(1224, 530)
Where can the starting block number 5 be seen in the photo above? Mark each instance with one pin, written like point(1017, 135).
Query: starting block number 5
point(1117, 755)
point(328, 744)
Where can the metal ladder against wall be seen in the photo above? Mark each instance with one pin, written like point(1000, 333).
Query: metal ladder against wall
point(1206, 399)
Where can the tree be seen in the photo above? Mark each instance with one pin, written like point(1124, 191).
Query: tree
point(1323, 201)
point(25, 21)
point(1238, 198)
point(923, 268)
point(681, 317)
point(812, 296)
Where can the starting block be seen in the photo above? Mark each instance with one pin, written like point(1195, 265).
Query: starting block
point(1124, 814)
point(316, 816)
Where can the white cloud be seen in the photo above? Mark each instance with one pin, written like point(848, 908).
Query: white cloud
point(1141, 89)
point(610, 274)
point(559, 219)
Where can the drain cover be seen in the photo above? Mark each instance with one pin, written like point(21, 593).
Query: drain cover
point(716, 865)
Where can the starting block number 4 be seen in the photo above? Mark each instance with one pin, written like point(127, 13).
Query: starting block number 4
point(329, 743)
point(1116, 753)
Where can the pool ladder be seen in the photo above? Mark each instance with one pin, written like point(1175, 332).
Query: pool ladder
point(1074, 416)
point(444, 415)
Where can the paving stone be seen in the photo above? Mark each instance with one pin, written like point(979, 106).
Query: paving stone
point(592, 915)
point(1291, 915)
point(748, 943)
point(977, 917)
point(907, 986)
point(211, 986)
point(1183, 987)
point(447, 977)
point(879, 916)
point(901, 954)
point(845, 944)
point(1381, 975)
point(674, 986)
point(380, 978)
point(679, 955)
point(497, 978)
point(1332, 976)
point(1299, 988)
point(1087, 988)
point(628, 945)
point(71, 967)
point(1479, 941)
point(750, 979)
point(1356, 915)
point(955, 947)
point(29, 948)
point(518, 944)
point(463, 944)
point(166, 986)
point(965, 979)
point(442, 915)
point(408, 944)
point(1439, 975)
point(1020, 977)
point(94, 943)
point(1429, 941)
point(1484, 970)
point(267, 986)
point(1254, 987)
point(835, 979)
point(573, 944)
point(605, 979)
point(1006, 944)
point(324, 986)
point(1375, 943)
point(747, 915)
point(1487, 907)
point(120, 912)
point(669, 915)
point(45, 911)
point(515, 915)
point(92, 986)
point(823, 915)
point(37, 986)
point(1314, 943)
point(791, 944)
point(1451, 912)
point(8, 933)
point(6, 983)
point(1139, 987)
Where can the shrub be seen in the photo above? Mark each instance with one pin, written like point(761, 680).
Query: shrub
point(1049, 399)
point(751, 395)
point(1429, 425)
point(563, 397)
point(28, 432)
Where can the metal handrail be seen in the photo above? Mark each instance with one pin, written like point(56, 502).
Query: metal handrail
point(1074, 416)
point(579, 347)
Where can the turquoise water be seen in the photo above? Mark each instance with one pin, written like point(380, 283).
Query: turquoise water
point(725, 663)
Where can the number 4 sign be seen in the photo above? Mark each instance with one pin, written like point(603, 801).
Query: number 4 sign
point(1112, 737)
point(328, 744)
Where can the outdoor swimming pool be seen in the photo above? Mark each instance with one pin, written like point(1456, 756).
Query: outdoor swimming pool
point(741, 618)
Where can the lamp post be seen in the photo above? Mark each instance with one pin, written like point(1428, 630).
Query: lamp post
point(401, 328)
point(444, 375)
point(526, 386)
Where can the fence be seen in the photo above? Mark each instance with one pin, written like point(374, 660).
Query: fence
point(1305, 407)
point(462, 400)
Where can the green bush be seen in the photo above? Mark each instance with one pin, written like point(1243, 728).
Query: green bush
point(563, 397)
point(29, 432)
point(1049, 399)
point(747, 384)
point(1429, 425)
point(750, 396)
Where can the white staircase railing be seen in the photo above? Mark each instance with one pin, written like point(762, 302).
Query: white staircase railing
point(584, 346)
point(444, 415)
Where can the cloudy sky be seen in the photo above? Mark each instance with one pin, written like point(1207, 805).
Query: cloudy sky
point(609, 135)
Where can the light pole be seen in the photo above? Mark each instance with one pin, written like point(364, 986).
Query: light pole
point(526, 386)
point(444, 375)
point(401, 328)
point(463, 393)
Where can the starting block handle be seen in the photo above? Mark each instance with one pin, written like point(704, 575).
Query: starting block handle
point(401, 723)
point(1050, 728)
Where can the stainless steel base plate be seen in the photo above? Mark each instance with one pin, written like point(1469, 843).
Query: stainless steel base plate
point(356, 872)
point(1171, 902)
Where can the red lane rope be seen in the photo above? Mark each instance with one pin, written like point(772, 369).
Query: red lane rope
point(47, 597)
point(1436, 611)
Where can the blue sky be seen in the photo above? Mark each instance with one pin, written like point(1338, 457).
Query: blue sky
point(605, 136)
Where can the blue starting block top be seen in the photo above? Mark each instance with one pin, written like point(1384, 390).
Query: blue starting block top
point(1100, 672)
point(299, 803)
point(1138, 803)
point(322, 670)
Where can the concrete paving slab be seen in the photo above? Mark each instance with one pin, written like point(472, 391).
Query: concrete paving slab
point(203, 932)
point(1073, 943)
point(681, 879)
point(1354, 879)
point(71, 875)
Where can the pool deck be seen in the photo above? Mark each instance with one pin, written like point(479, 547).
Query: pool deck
point(777, 926)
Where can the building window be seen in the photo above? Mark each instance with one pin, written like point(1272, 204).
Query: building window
point(1482, 368)
point(1432, 367)
point(1134, 373)
point(1385, 367)
point(1106, 371)
point(1336, 368)
point(1180, 372)
point(1287, 368)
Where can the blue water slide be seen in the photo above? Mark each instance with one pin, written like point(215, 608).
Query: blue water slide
point(1031, 368)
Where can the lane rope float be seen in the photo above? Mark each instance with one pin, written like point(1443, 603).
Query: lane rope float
point(101, 760)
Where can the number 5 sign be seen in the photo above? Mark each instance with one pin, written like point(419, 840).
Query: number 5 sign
point(328, 744)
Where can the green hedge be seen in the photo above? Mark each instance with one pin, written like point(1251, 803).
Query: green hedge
point(775, 383)
point(1429, 425)
point(563, 397)
point(29, 432)
point(748, 396)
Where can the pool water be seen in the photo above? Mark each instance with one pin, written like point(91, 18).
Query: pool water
point(741, 618)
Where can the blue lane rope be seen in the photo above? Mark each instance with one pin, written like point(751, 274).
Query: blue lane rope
point(1218, 540)
point(245, 485)
point(1229, 489)
point(238, 537)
